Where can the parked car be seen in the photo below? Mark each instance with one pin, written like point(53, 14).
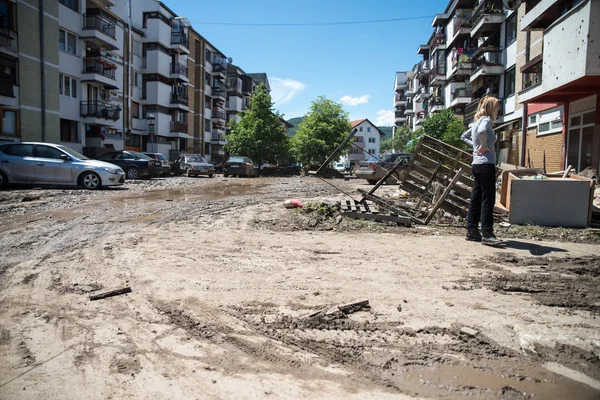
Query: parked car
point(192, 165)
point(54, 164)
point(163, 161)
point(373, 169)
point(218, 166)
point(340, 167)
point(136, 165)
point(239, 166)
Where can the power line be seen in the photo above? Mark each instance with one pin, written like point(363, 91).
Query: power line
point(375, 21)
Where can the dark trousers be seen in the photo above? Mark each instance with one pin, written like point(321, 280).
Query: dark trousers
point(483, 198)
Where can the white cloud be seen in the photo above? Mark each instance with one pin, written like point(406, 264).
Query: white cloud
point(354, 101)
point(385, 118)
point(284, 90)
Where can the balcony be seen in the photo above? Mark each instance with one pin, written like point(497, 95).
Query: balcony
point(179, 71)
point(461, 96)
point(410, 92)
point(420, 117)
point(399, 101)
point(400, 86)
point(98, 23)
point(423, 69)
point(410, 109)
point(218, 113)
point(461, 26)
point(180, 41)
point(179, 98)
point(532, 79)
point(438, 42)
point(436, 104)
point(460, 67)
point(7, 87)
point(487, 18)
point(487, 64)
point(7, 35)
point(93, 110)
point(540, 14)
point(437, 75)
point(400, 118)
point(99, 70)
point(178, 126)
point(219, 92)
point(220, 69)
point(217, 137)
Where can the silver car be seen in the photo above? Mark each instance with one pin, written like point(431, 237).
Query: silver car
point(56, 165)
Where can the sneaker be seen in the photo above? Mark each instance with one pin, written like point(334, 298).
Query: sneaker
point(473, 235)
point(491, 240)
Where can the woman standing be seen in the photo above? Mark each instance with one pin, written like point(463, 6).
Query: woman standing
point(482, 138)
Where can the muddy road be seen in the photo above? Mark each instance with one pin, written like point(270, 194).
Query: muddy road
point(234, 297)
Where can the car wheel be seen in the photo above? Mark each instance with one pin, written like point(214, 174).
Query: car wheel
point(90, 181)
point(187, 173)
point(371, 181)
point(3, 180)
point(133, 173)
point(210, 175)
point(225, 175)
point(395, 178)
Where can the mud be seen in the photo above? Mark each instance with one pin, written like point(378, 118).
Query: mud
point(233, 296)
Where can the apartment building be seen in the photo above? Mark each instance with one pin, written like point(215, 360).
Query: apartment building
point(559, 83)
point(471, 53)
point(367, 142)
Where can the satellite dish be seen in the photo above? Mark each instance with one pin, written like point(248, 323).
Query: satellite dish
point(511, 4)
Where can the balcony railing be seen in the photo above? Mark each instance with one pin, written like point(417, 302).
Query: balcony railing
point(532, 76)
point(438, 40)
point(486, 7)
point(219, 91)
point(99, 23)
point(179, 98)
point(461, 92)
point(180, 38)
point(409, 106)
point(178, 126)
point(99, 66)
point(218, 66)
point(179, 68)
point(462, 22)
point(488, 58)
point(216, 113)
point(437, 70)
point(98, 109)
point(216, 137)
point(7, 87)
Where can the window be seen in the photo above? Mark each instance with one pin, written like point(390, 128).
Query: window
point(9, 122)
point(67, 86)
point(509, 82)
point(368, 129)
point(359, 139)
point(532, 120)
point(136, 79)
point(48, 152)
point(511, 29)
point(7, 9)
point(67, 41)
point(18, 150)
point(68, 131)
point(582, 149)
point(371, 151)
point(135, 110)
point(371, 139)
point(549, 121)
point(137, 48)
point(72, 4)
point(8, 76)
point(360, 129)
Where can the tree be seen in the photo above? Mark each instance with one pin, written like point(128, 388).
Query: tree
point(444, 126)
point(321, 131)
point(260, 134)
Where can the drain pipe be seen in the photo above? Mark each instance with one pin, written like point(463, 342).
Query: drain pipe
point(42, 69)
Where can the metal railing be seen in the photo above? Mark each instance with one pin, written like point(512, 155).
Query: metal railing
point(216, 113)
point(532, 76)
point(486, 7)
point(99, 66)
point(179, 68)
point(489, 58)
point(216, 137)
point(180, 38)
point(218, 66)
point(409, 106)
point(179, 98)
point(99, 23)
point(178, 126)
point(461, 92)
point(98, 109)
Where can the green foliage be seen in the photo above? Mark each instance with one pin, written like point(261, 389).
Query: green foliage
point(260, 134)
point(294, 122)
point(399, 141)
point(444, 126)
point(321, 131)
point(387, 131)
point(319, 208)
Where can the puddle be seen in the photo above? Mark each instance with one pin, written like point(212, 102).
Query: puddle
point(189, 194)
point(10, 222)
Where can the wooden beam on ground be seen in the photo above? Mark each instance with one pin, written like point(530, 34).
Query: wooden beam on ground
point(111, 293)
point(399, 219)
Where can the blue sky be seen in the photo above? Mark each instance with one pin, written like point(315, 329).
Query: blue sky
point(351, 64)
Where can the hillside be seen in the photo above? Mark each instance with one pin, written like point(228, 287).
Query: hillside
point(388, 130)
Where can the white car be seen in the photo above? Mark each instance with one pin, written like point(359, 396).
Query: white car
point(55, 165)
point(340, 167)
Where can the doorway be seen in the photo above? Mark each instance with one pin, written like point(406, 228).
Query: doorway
point(583, 144)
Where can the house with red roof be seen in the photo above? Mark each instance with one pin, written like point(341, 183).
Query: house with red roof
point(367, 142)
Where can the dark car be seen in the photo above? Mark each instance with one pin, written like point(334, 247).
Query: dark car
point(163, 160)
point(192, 165)
point(373, 169)
point(136, 165)
point(239, 166)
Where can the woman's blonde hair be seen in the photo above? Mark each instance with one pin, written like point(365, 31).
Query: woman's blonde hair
point(487, 105)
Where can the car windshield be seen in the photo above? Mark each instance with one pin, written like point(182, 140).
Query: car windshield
point(140, 156)
point(72, 153)
point(196, 159)
point(237, 159)
point(161, 157)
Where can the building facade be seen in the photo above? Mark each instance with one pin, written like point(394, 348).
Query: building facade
point(367, 142)
point(108, 74)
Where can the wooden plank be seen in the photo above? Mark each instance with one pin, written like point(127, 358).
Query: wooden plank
point(444, 195)
point(450, 160)
point(445, 170)
point(399, 219)
point(332, 155)
point(466, 155)
point(352, 206)
point(390, 206)
point(373, 209)
point(412, 159)
point(111, 293)
point(453, 209)
point(362, 208)
point(387, 175)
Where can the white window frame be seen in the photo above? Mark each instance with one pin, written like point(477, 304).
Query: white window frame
point(550, 116)
point(66, 44)
point(372, 140)
point(371, 151)
point(369, 129)
point(136, 79)
point(581, 126)
point(72, 86)
point(360, 128)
